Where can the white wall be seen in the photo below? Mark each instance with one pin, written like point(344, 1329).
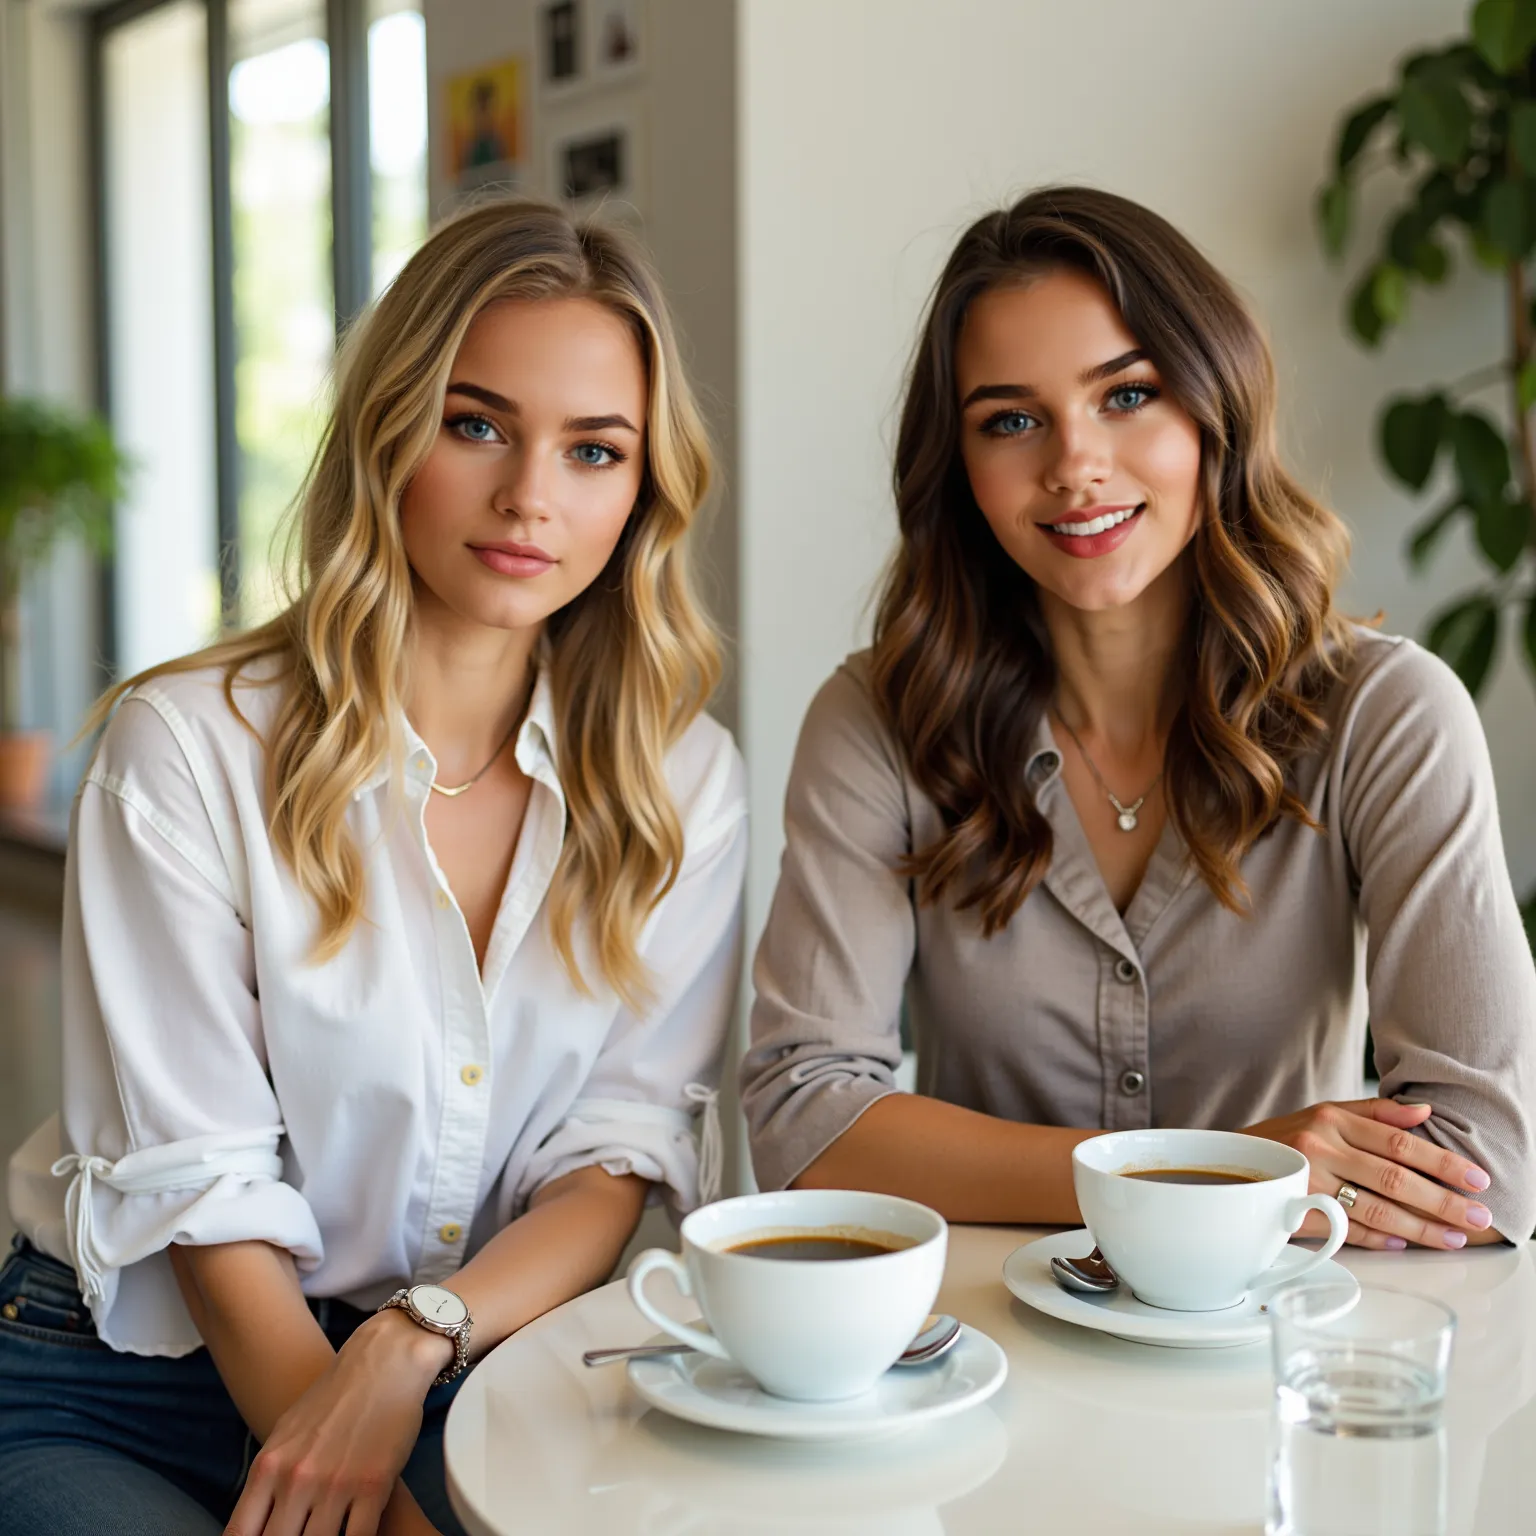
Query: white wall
point(872, 130)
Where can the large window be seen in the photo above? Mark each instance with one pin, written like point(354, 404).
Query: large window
point(262, 171)
point(159, 335)
point(285, 303)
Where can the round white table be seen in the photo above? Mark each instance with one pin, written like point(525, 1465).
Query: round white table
point(1090, 1433)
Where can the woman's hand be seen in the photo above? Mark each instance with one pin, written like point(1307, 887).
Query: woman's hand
point(336, 1454)
point(1401, 1177)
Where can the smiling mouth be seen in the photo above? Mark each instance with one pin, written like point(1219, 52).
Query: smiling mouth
point(1097, 524)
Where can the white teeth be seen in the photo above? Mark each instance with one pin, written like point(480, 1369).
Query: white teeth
point(1094, 525)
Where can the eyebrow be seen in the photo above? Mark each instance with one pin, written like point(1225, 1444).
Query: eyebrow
point(572, 423)
point(1028, 391)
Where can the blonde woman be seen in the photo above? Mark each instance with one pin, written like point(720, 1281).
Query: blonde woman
point(400, 936)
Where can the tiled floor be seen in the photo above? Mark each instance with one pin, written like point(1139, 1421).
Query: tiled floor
point(29, 1031)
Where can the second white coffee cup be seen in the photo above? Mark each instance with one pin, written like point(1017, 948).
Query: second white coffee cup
point(1199, 1248)
point(812, 1331)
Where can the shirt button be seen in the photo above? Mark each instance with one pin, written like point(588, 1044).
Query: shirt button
point(421, 762)
point(1125, 970)
point(444, 900)
point(1132, 1082)
point(451, 1233)
point(471, 1074)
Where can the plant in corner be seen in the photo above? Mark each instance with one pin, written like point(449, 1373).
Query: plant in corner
point(59, 475)
point(1459, 127)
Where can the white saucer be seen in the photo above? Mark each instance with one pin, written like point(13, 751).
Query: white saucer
point(713, 1392)
point(1027, 1273)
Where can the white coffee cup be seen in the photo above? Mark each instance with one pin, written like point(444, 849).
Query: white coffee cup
point(810, 1330)
point(1199, 1247)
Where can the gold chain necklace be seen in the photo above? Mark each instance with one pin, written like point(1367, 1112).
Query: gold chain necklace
point(458, 789)
point(1126, 820)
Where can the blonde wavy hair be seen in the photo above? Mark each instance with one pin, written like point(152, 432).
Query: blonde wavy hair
point(633, 659)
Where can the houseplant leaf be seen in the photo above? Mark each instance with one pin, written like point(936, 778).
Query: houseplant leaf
point(1426, 535)
point(1364, 318)
point(1522, 134)
point(1505, 32)
point(1436, 116)
point(1507, 221)
point(1389, 292)
point(1411, 433)
point(1466, 635)
point(1482, 456)
point(1503, 527)
point(1333, 217)
point(1357, 130)
point(1432, 261)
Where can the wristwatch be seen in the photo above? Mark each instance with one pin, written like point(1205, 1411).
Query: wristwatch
point(438, 1310)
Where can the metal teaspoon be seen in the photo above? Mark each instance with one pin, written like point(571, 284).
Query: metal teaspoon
point(939, 1335)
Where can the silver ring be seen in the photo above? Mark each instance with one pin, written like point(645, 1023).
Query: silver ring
point(1347, 1196)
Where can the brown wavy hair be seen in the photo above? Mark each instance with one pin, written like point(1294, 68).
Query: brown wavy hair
point(633, 658)
point(962, 666)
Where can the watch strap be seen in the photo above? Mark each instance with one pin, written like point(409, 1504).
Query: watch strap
point(458, 1333)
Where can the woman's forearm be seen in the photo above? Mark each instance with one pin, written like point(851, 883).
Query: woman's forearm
point(566, 1242)
point(246, 1302)
point(966, 1165)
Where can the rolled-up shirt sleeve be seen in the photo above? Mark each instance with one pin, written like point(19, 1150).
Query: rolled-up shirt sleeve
point(1449, 973)
point(649, 1105)
point(833, 961)
point(171, 1131)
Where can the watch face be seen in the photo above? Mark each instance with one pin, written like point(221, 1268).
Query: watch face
point(438, 1305)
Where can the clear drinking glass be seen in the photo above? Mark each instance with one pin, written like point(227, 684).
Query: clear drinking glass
point(1358, 1437)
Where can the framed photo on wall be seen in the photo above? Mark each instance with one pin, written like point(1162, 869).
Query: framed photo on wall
point(598, 165)
point(617, 38)
point(562, 61)
point(485, 126)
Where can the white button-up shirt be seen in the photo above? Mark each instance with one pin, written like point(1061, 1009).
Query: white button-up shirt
point(380, 1115)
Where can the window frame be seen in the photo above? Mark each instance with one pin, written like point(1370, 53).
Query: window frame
point(346, 23)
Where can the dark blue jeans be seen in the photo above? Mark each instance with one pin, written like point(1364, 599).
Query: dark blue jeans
point(98, 1443)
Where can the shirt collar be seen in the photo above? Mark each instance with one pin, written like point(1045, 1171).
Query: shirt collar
point(1043, 762)
point(535, 745)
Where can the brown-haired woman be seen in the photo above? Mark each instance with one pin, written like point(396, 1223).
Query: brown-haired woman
point(1135, 823)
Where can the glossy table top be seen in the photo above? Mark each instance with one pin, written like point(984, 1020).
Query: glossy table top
point(1090, 1433)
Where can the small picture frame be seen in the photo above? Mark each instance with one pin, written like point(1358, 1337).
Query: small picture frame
point(616, 38)
point(562, 58)
point(598, 166)
point(484, 110)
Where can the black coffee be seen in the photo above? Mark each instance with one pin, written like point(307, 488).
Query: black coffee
point(812, 1248)
point(1193, 1176)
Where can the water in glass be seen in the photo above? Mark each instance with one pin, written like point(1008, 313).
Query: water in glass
point(1359, 1444)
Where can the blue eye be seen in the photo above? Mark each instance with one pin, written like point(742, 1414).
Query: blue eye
point(597, 455)
point(1131, 397)
point(473, 429)
point(1008, 424)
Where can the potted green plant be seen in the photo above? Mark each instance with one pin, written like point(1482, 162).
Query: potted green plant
point(59, 475)
point(1458, 131)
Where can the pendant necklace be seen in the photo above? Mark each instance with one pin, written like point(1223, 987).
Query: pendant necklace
point(1126, 820)
point(458, 789)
